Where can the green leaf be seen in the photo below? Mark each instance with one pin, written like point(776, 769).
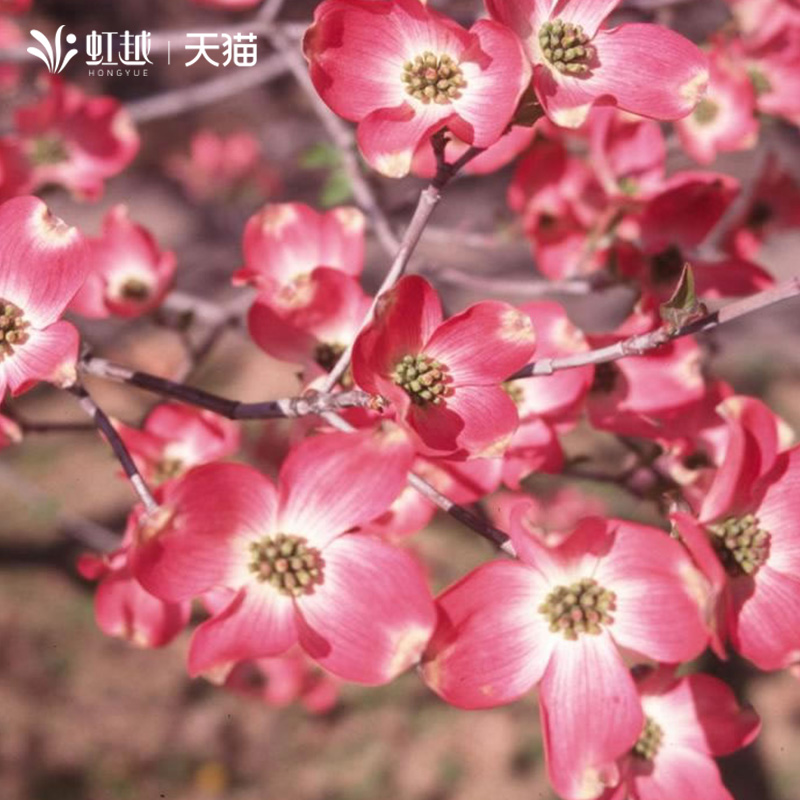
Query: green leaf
point(336, 190)
point(320, 156)
point(683, 307)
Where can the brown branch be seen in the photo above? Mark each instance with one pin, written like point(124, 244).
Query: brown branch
point(288, 407)
point(482, 527)
point(120, 450)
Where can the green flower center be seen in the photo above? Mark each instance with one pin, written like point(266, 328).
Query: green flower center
point(706, 112)
point(581, 607)
point(741, 545)
point(135, 289)
point(424, 380)
point(48, 150)
point(433, 79)
point(650, 741)
point(566, 47)
point(12, 328)
point(287, 563)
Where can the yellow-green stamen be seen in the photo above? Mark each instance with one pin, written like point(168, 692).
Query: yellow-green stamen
point(650, 741)
point(742, 546)
point(287, 563)
point(13, 328)
point(581, 607)
point(433, 79)
point(424, 379)
point(565, 46)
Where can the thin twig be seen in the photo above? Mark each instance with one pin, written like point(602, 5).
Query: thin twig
point(179, 101)
point(287, 407)
point(642, 343)
point(494, 535)
point(106, 427)
point(531, 287)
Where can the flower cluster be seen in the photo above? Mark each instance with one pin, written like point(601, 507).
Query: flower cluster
point(300, 555)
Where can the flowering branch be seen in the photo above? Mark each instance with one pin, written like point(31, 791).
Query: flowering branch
point(642, 343)
point(287, 407)
point(106, 427)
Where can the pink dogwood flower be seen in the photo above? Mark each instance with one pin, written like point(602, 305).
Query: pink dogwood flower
point(356, 605)
point(724, 120)
point(285, 242)
point(503, 152)
point(175, 438)
point(628, 154)
point(546, 405)
point(443, 377)
point(688, 721)
point(746, 538)
point(314, 330)
point(641, 68)
point(403, 71)
point(42, 264)
point(557, 617)
point(224, 168)
point(775, 207)
point(123, 609)
point(129, 274)
point(76, 141)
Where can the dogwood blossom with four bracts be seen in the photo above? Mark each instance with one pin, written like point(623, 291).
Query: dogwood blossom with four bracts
point(42, 265)
point(129, 274)
point(688, 721)
point(443, 377)
point(402, 71)
point(174, 438)
point(557, 618)
point(356, 605)
point(641, 68)
point(746, 538)
point(285, 242)
point(74, 140)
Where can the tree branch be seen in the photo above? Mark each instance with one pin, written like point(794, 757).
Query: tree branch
point(287, 407)
point(106, 427)
point(489, 532)
point(642, 343)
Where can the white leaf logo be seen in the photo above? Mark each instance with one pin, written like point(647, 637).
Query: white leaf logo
point(51, 57)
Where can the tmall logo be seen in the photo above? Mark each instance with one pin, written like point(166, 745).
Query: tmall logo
point(52, 56)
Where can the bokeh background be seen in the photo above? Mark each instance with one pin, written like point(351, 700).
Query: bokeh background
point(84, 717)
